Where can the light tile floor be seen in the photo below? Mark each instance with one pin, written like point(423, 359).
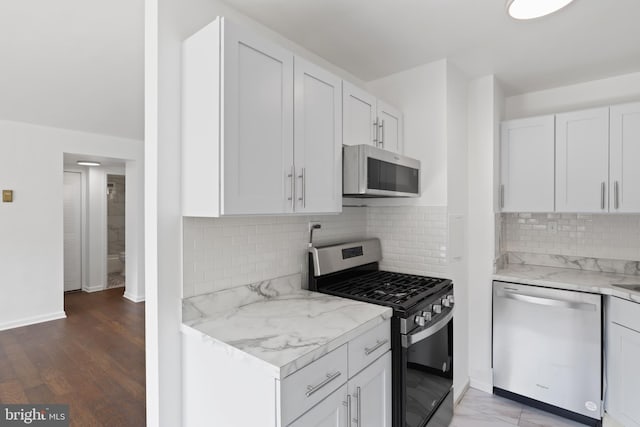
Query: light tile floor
point(479, 409)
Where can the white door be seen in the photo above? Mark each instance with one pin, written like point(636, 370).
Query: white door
point(527, 165)
point(72, 231)
point(582, 161)
point(257, 133)
point(390, 127)
point(371, 394)
point(331, 412)
point(623, 393)
point(624, 186)
point(359, 116)
point(317, 136)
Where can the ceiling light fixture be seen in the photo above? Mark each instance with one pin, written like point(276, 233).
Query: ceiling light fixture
point(531, 9)
point(88, 163)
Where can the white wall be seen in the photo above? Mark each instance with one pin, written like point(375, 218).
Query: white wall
point(31, 248)
point(421, 95)
point(484, 115)
point(613, 90)
point(167, 23)
point(457, 196)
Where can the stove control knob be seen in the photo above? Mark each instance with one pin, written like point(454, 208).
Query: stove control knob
point(437, 308)
point(445, 302)
point(420, 321)
point(426, 315)
point(450, 298)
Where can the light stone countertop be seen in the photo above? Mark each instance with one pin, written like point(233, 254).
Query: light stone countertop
point(276, 325)
point(570, 279)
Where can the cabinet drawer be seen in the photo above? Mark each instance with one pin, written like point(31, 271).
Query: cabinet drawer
point(305, 388)
point(365, 349)
point(625, 313)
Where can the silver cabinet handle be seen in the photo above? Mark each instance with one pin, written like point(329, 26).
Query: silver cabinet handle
point(547, 301)
point(602, 191)
point(359, 411)
point(348, 405)
point(303, 197)
point(375, 132)
point(379, 343)
point(381, 133)
point(311, 389)
point(616, 200)
point(501, 195)
point(293, 187)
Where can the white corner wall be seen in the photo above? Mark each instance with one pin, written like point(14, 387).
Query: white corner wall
point(421, 93)
point(31, 248)
point(484, 115)
point(612, 90)
point(457, 209)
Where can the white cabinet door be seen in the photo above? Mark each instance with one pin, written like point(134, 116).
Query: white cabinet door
point(371, 394)
point(257, 131)
point(624, 186)
point(331, 412)
point(527, 165)
point(582, 161)
point(359, 116)
point(317, 136)
point(623, 391)
point(389, 127)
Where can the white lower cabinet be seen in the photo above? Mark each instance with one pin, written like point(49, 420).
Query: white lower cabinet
point(370, 393)
point(623, 357)
point(347, 387)
point(331, 412)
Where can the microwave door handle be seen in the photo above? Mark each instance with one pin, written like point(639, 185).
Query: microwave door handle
point(409, 340)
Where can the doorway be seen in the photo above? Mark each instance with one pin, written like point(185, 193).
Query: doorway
point(116, 220)
point(72, 231)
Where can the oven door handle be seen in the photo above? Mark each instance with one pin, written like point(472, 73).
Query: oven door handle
point(409, 340)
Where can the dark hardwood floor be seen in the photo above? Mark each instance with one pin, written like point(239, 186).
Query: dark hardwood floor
point(93, 360)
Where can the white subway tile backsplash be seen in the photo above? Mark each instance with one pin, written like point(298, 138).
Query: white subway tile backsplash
point(580, 235)
point(220, 253)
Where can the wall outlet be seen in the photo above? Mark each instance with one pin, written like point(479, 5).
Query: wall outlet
point(552, 227)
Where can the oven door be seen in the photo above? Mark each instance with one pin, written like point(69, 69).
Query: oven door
point(427, 365)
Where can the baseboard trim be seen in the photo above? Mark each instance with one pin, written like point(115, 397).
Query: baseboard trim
point(91, 289)
point(482, 386)
point(457, 397)
point(133, 298)
point(32, 320)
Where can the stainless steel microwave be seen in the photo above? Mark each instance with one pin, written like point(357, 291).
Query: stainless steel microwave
point(368, 171)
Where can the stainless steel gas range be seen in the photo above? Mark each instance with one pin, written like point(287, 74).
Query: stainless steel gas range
point(421, 326)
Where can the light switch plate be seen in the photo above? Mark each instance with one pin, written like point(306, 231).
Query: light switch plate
point(7, 196)
point(552, 227)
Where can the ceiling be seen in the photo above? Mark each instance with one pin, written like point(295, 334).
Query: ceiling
point(587, 40)
point(79, 64)
point(74, 64)
point(71, 159)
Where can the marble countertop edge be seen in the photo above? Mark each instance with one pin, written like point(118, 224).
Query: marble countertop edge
point(570, 279)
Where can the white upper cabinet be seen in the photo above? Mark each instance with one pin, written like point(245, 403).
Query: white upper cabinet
point(257, 131)
point(527, 165)
point(582, 161)
point(359, 109)
point(318, 147)
point(367, 120)
point(389, 127)
point(624, 185)
point(239, 153)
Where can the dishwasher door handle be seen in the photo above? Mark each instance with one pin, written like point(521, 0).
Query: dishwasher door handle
point(550, 302)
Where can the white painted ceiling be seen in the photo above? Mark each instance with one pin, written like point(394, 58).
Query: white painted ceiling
point(74, 64)
point(79, 63)
point(587, 40)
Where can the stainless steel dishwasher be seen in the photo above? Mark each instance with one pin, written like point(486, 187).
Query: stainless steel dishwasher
point(547, 349)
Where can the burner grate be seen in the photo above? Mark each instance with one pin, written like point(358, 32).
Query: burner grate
point(383, 287)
